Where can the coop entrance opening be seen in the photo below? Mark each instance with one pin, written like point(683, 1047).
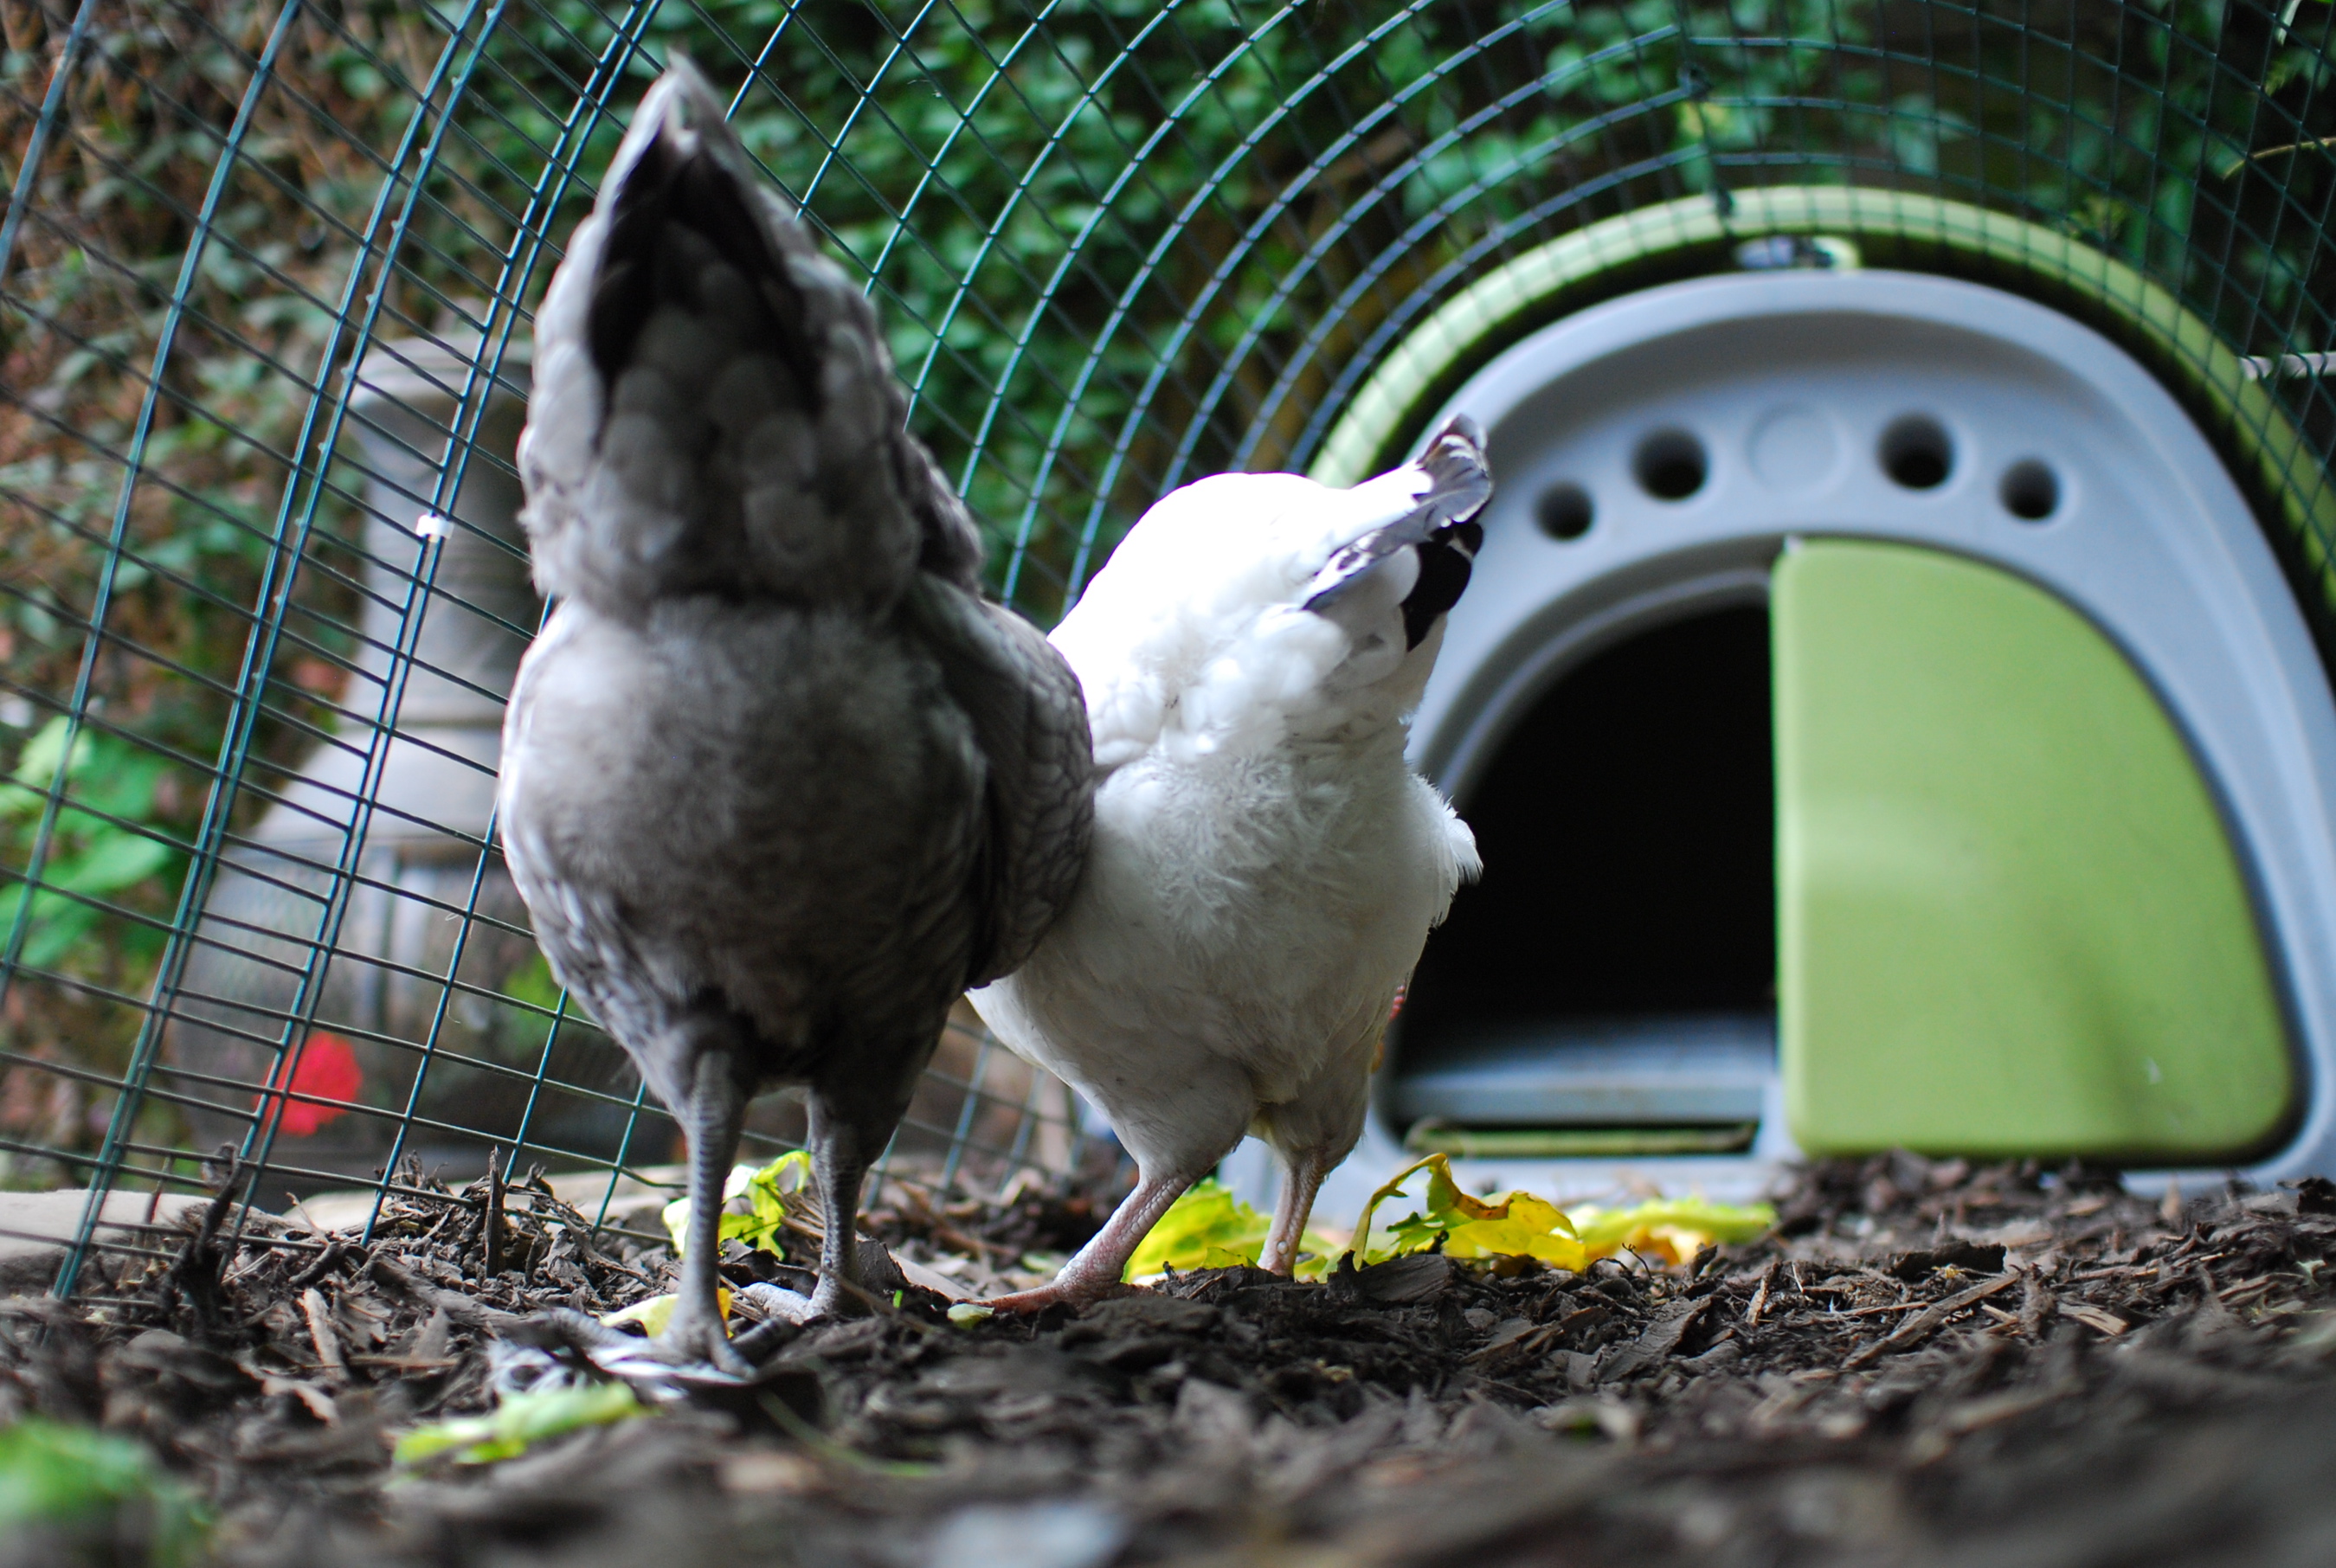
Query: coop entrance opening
point(1610, 986)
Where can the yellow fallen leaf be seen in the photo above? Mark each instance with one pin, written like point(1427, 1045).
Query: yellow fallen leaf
point(1519, 1225)
point(1209, 1228)
point(1528, 1227)
point(1671, 1228)
point(1523, 1225)
point(654, 1313)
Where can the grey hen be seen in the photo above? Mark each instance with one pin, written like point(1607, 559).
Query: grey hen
point(778, 786)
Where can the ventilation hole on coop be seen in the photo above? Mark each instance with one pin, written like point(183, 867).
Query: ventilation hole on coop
point(1916, 452)
point(1670, 464)
point(2030, 490)
point(1564, 511)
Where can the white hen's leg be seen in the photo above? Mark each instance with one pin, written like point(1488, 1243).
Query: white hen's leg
point(1310, 1133)
point(1176, 1139)
point(1301, 1178)
point(1094, 1271)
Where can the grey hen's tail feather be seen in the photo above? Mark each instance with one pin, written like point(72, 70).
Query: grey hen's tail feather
point(714, 409)
point(1440, 527)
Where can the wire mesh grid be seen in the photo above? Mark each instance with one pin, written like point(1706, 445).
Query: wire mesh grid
point(268, 270)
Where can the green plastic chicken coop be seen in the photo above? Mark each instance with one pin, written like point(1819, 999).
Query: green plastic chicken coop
point(1929, 567)
point(1892, 699)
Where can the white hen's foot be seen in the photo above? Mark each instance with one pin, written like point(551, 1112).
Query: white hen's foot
point(1096, 1270)
point(1055, 1293)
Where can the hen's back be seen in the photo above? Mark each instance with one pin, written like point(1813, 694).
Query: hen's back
point(772, 757)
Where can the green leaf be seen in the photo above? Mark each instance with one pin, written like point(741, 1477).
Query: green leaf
point(115, 859)
point(1207, 1220)
point(533, 983)
point(37, 765)
point(59, 924)
point(56, 1476)
point(768, 1193)
point(520, 1421)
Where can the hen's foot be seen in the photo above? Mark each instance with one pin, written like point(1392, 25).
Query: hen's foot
point(555, 1348)
point(694, 1346)
point(1072, 1293)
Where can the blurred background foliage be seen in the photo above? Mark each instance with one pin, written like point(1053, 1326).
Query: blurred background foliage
point(1117, 245)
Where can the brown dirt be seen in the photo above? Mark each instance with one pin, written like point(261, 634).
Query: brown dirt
point(1926, 1364)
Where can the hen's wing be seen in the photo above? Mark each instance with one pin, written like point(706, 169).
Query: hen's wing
point(1031, 724)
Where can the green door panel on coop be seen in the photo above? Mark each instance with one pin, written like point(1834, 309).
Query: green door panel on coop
point(2010, 920)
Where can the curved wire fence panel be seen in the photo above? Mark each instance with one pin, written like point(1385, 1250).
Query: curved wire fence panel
point(266, 272)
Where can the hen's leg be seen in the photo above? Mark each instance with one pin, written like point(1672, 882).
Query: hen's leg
point(1094, 1271)
point(1310, 1132)
point(712, 1118)
point(1177, 1136)
point(1301, 1178)
point(846, 1134)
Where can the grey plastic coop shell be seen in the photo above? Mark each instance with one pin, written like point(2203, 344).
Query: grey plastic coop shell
point(1649, 707)
point(400, 800)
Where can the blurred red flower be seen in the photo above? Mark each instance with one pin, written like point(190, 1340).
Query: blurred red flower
point(323, 1064)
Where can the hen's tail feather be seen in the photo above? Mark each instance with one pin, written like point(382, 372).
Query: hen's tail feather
point(1439, 526)
point(679, 180)
point(716, 409)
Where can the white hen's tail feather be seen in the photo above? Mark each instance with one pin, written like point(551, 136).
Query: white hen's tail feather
point(1248, 609)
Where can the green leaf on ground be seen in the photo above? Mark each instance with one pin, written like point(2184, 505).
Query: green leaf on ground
point(55, 1477)
point(769, 1192)
point(520, 1421)
point(1209, 1228)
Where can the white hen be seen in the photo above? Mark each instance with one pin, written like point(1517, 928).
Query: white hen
point(1265, 866)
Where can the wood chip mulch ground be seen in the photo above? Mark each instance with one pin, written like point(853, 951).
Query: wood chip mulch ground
point(1923, 1363)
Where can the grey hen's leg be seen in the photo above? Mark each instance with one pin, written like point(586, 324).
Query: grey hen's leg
point(849, 1127)
point(712, 1115)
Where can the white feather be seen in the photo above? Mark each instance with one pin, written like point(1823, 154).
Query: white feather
point(1266, 866)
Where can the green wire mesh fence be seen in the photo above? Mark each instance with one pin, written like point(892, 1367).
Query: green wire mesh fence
point(266, 272)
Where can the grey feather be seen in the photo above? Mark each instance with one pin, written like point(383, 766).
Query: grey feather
point(1031, 721)
point(777, 783)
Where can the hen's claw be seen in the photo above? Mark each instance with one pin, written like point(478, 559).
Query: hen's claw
point(663, 1370)
point(700, 1347)
point(1057, 1293)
